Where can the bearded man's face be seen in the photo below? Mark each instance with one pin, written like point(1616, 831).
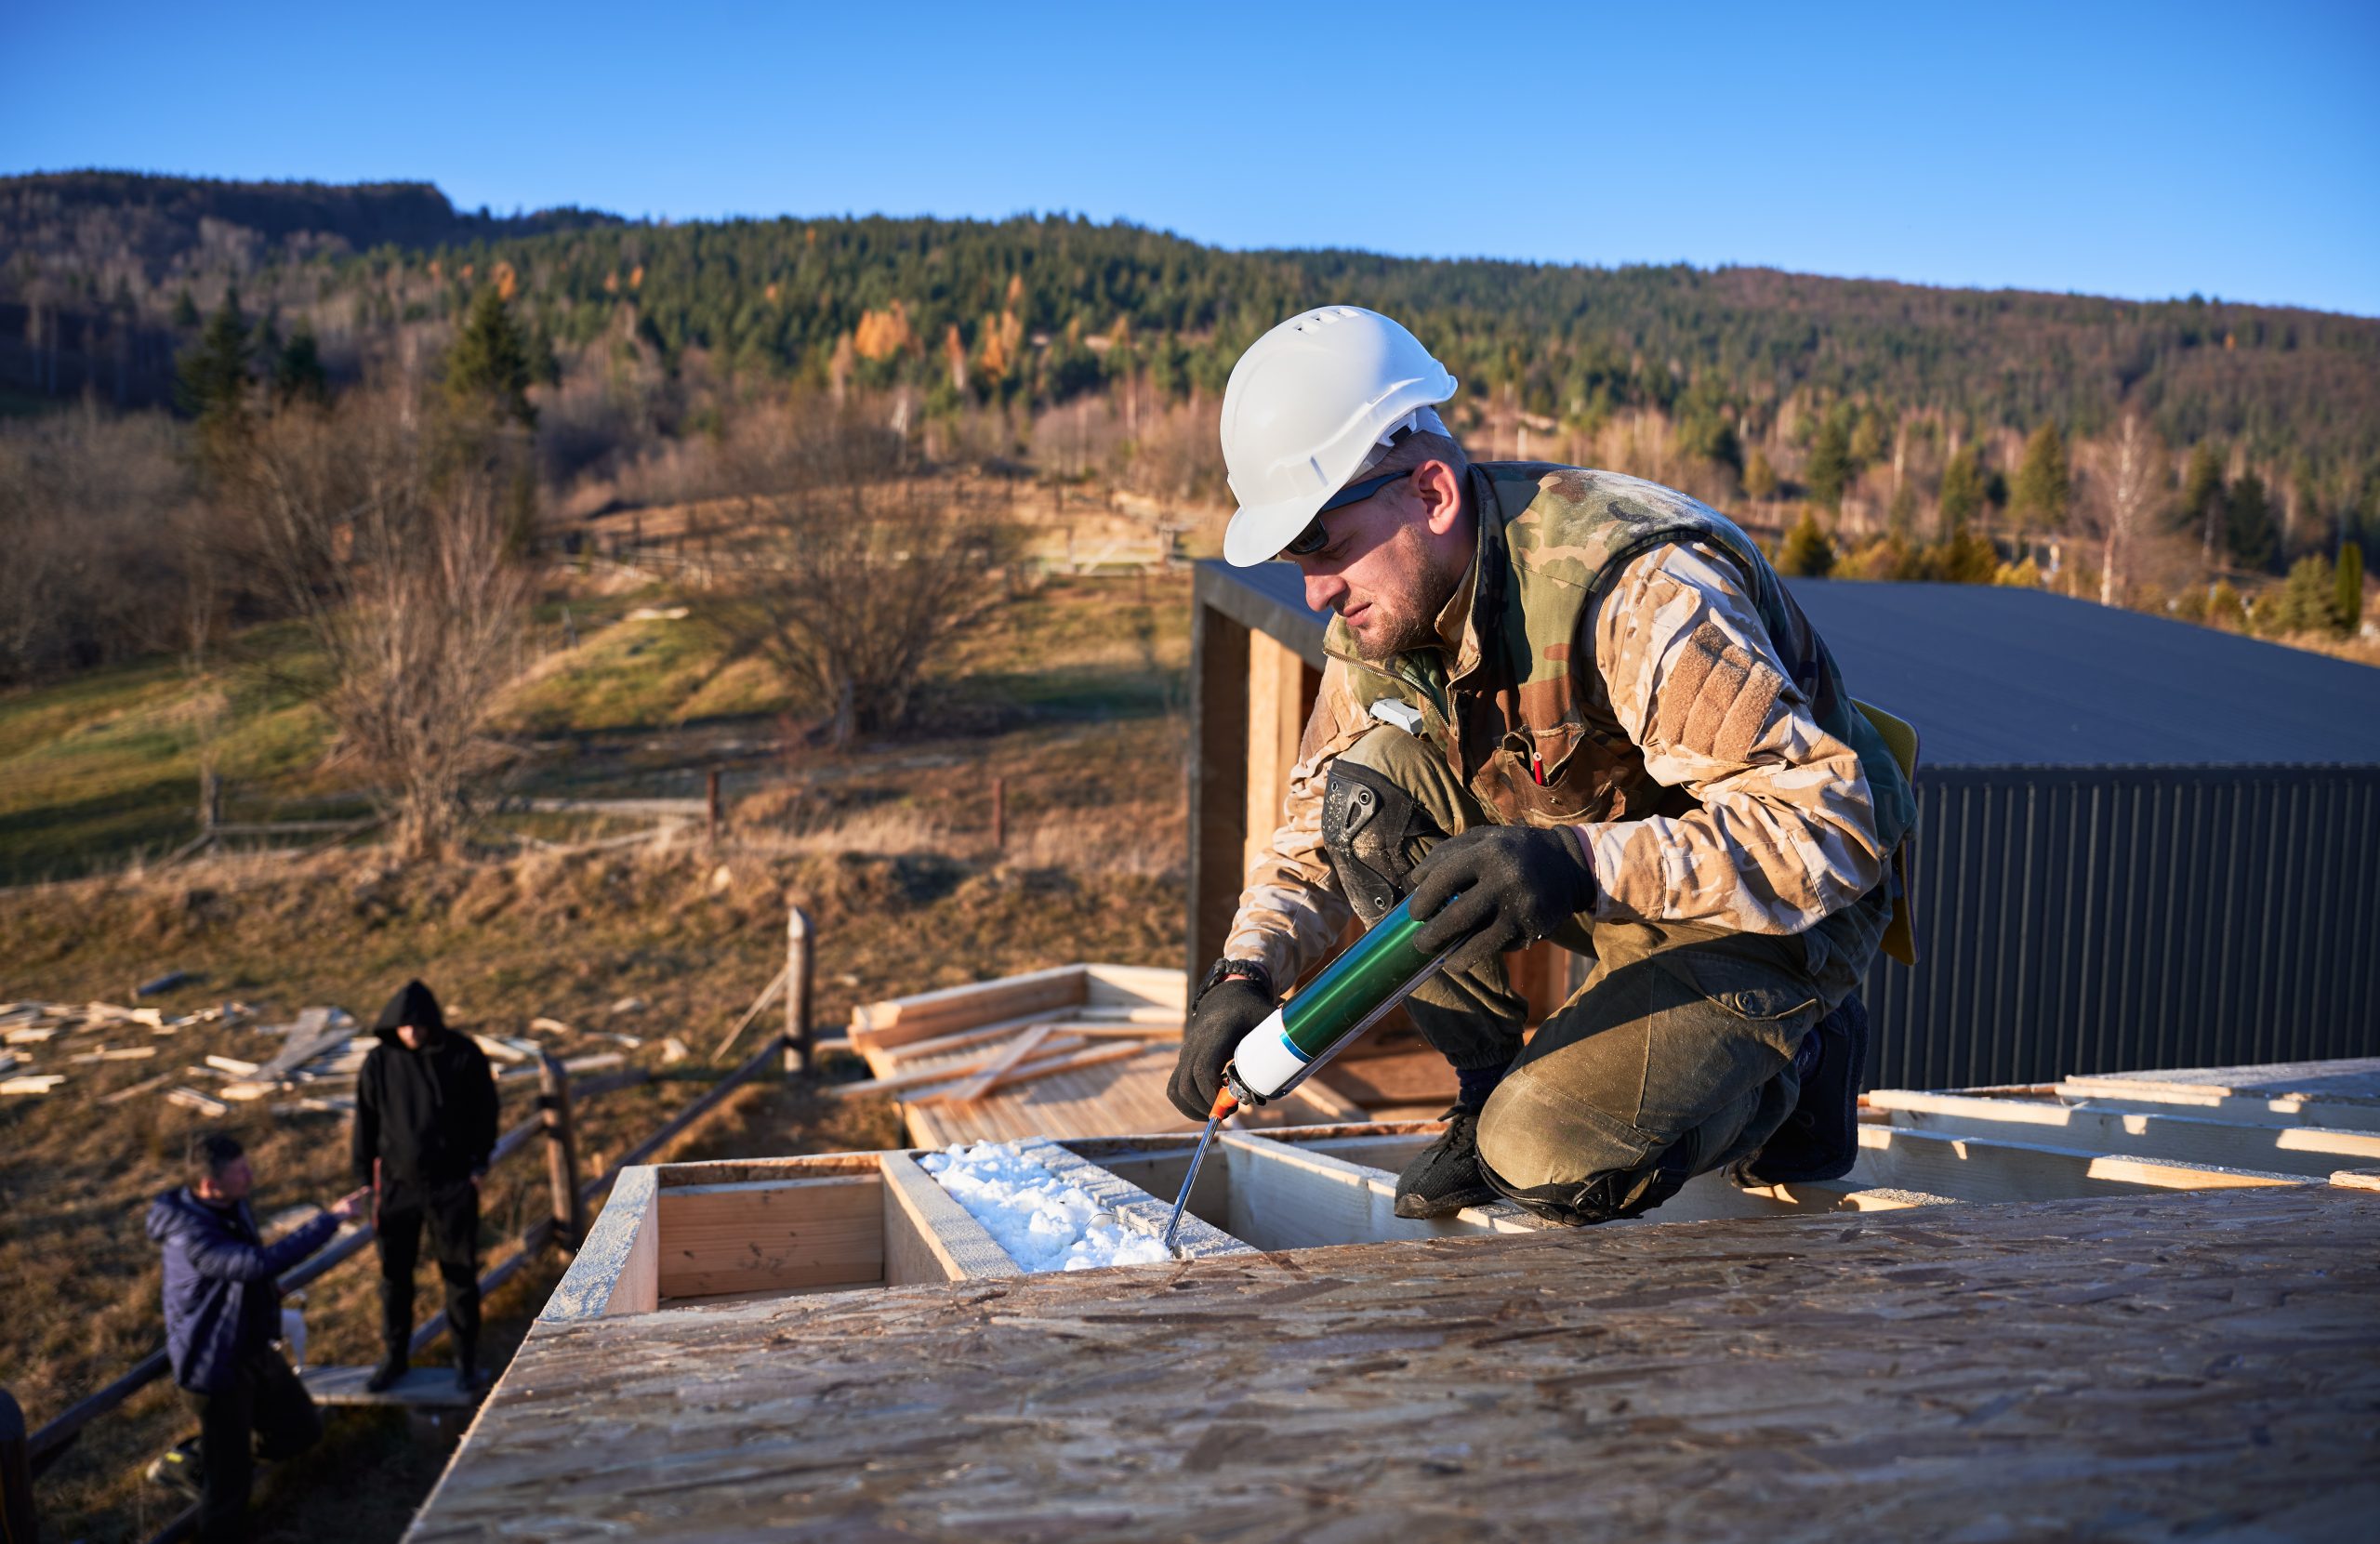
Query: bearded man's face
point(1378, 572)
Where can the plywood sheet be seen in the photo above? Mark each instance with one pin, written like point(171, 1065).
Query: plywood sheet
point(2144, 1365)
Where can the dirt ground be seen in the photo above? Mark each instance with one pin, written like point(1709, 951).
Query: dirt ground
point(888, 847)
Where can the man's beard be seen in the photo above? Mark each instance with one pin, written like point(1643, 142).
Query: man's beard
point(1407, 619)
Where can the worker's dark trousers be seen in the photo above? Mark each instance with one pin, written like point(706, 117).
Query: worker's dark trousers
point(452, 1213)
point(264, 1403)
point(1674, 1059)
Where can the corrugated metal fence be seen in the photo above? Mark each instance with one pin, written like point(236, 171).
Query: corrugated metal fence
point(2098, 919)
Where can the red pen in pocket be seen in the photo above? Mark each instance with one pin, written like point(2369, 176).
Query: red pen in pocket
point(1537, 766)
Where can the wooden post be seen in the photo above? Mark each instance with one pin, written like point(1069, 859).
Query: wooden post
point(562, 1151)
point(999, 814)
point(16, 1525)
point(210, 800)
point(800, 954)
point(713, 808)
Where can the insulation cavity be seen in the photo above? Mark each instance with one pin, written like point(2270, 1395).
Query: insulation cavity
point(1042, 1222)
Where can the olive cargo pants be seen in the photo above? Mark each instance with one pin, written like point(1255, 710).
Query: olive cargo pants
point(1674, 1058)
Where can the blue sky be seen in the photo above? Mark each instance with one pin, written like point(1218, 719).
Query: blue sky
point(2119, 149)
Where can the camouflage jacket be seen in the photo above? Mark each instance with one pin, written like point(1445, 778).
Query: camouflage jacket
point(1718, 770)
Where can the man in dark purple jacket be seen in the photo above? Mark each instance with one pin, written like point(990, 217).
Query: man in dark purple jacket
point(222, 1316)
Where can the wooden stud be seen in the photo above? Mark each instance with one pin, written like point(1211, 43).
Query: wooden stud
point(1276, 721)
point(1001, 1061)
point(929, 1236)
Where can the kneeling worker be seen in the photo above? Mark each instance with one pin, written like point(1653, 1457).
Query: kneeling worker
point(1565, 705)
point(425, 1126)
point(222, 1315)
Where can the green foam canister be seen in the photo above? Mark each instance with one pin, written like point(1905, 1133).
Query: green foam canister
point(1372, 976)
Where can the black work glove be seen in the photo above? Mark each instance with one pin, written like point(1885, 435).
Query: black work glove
point(1499, 888)
point(1226, 1009)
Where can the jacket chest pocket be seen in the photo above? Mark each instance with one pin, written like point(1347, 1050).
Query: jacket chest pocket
point(1555, 777)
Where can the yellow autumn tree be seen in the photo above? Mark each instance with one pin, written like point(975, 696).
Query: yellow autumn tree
point(883, 333)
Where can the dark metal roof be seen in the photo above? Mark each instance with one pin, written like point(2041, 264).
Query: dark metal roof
point(1994, 676)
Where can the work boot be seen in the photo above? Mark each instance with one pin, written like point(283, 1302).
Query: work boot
point(1445, 1177)
point(384, 1376)
point(1821, 1139)
point(179, 1468)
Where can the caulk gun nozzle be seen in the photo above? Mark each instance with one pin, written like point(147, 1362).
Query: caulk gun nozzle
point(1225, 1104)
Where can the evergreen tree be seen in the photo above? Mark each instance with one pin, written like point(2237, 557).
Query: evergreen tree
point(1808, 552)
point(2044, 481)
point(297, 370)
point(2347, 604)
point(214, 372)
point(2248, 528)
point(489, 370)
point(2306, 600)
point(185, 315)
point(1830, 468)
point(1962, 490)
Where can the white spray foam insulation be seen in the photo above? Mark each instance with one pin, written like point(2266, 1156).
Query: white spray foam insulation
point(1044, 1222)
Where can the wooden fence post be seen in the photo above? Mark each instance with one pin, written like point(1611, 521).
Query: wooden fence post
point(562, 1151)
point(800, 950)
point(16, 1525)
point(999, 814)
point(711, 804)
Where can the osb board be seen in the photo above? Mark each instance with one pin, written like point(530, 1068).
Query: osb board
point(2146, 1367)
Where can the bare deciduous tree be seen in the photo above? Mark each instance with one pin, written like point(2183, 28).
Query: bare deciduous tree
point(850, 565)
point(2123, 504)
point(398, 562)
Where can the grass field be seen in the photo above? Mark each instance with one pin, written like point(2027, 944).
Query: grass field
point(1072, 696)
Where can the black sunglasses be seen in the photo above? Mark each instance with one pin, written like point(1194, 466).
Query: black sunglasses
point(1312, 539)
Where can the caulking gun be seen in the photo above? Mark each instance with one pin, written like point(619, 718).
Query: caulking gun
point(1372, 975)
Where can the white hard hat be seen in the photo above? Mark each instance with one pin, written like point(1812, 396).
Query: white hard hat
point(1307, 405)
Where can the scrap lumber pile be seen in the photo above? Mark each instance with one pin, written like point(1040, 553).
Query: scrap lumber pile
point(312, 1072)
point(1080, 1051)
point(30, 1030)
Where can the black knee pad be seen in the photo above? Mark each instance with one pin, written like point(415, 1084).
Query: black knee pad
point(1607, 1197)
point(1367, 823)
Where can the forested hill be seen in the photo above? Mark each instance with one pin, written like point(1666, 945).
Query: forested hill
point(169, 225)
point(1042, 309)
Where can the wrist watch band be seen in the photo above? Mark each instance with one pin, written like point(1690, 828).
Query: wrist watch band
point(1223, 969)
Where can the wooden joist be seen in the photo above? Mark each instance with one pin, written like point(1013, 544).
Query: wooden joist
point(2174, 1131)
point(1979, 1169)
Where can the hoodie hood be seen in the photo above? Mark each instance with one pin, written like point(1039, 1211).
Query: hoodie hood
point(172, 1211)
point(413, 1004)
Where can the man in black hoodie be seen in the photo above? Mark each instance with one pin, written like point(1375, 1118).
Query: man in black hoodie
point(424, 1124)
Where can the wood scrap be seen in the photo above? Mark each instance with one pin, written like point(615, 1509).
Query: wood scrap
point(31, 1083)
point(146, 1084)
point(550, 1026)
point(111, 1053)
point(1007, 1057)
point(233, 1065)
point(191, 1099)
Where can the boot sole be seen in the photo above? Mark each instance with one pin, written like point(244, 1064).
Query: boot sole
point(1420, 1207)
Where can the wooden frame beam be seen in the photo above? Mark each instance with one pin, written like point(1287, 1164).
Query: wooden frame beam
point(2166, 1132)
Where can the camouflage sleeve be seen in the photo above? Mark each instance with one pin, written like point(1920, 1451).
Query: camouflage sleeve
point(1290, 910)
point(1786, 833)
